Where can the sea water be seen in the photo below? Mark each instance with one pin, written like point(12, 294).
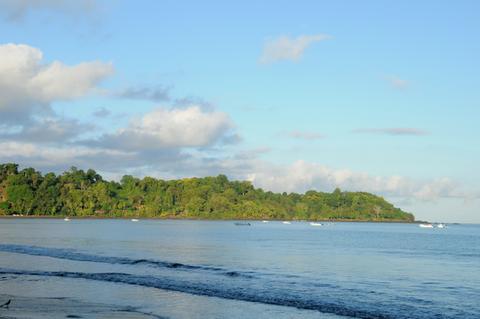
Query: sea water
point(216, 269)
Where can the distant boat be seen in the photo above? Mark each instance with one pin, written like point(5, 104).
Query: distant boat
point(440, 225)
point(425, 225)
point(242, 224)
point(66, 219)
point(264, 221)
point(286, 223)
point(316, 224)
point(134, 220)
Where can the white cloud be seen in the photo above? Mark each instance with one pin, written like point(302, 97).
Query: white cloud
point(59, 81)
point(28, 86)
point(286, 48)
point(302, 176)
point(171, 128)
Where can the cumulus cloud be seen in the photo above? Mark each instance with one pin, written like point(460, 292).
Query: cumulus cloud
point(303, 135)
point(28, 86)
point(287, 48)
point(392, 131)
point(15, 10)
point(171, 128)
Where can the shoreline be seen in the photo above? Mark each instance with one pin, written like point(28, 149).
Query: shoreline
point(210, 219)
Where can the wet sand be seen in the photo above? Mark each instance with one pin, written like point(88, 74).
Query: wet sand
point(52, 308)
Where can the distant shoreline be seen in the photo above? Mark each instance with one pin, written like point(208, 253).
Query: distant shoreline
point(212, 219)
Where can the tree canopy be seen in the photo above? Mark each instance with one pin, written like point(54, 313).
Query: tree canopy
point(85, 193)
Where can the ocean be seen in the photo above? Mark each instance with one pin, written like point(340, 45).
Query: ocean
point(101, 268)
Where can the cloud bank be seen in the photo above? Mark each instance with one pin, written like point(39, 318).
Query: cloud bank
point(301, 176)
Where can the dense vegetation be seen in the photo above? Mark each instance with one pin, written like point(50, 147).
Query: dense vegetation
point(80, 193)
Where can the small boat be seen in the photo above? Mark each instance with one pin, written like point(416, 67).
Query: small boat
point(242, 224)
point(264, 221)
point(316, 224)
point(441, 225)
point(66, 219)
point(286, 223)
point(425, 225)
point(134, 220)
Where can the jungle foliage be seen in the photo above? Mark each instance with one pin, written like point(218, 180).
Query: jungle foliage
point(85, 193)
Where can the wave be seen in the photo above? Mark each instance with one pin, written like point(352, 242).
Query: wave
point(349, 306)
point(283, 290)
point(69, 254)
point(270, 297)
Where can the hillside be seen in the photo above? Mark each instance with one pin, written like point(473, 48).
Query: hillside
point(87, 194)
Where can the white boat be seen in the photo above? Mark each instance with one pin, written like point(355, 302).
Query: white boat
point(441, 225)
point(66, 219)
point(134, 220)
point(264, 221)
point(316, 224)
point(425, 225)
point(286, 223)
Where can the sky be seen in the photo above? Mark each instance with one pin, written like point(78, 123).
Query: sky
point(376, 96)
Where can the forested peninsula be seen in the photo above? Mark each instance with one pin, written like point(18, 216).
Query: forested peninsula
point(82, 193)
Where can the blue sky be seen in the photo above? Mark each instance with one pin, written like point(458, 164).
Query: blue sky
point(364, 95)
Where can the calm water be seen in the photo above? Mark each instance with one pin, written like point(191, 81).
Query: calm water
point(214, 269)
